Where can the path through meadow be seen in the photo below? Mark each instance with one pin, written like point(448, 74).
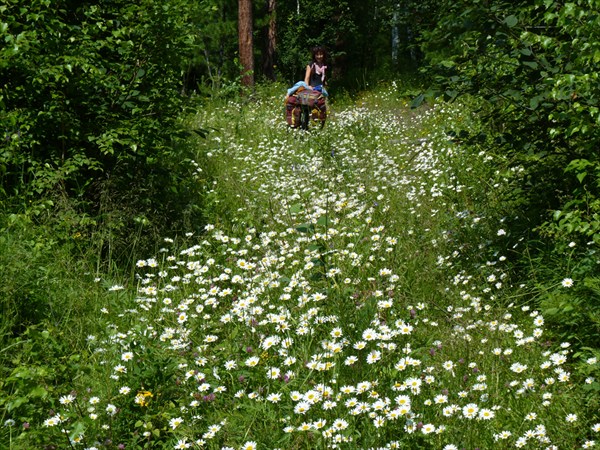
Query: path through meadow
point(344, 295)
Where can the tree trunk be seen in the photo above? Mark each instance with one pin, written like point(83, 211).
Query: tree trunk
point(269, 60)
point(246, 44)
point(395, 37)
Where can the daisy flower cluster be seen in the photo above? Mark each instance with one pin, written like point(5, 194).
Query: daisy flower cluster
point(309, 315)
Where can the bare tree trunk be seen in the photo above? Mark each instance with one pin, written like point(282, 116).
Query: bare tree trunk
point(246, 44)
point(395, 36)
point(269, 60)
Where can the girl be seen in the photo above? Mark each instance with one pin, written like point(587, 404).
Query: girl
point(315, 71)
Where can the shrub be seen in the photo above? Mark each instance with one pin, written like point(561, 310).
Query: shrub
point(534, 65)
point(91, 107)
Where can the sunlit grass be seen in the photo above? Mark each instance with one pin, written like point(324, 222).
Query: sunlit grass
point(344, 295)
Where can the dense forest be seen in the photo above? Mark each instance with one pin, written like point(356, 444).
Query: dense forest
point(98, 101)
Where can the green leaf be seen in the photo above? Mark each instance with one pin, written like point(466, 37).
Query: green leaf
point(451, 94)
point(296, 208)
point(38, 391)
point(511, 21)
point(595, 386)
point(534, 102)
point(323, 221)
point(417, 101)
point(305, 228)
point(16, 403)
point(201, 132)
point(78, 430)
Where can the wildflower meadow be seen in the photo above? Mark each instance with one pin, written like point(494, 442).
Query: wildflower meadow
point(353, 288)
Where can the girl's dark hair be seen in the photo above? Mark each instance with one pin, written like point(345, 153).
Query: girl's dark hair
point(318, 49)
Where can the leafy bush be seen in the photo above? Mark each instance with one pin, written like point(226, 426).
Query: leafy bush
point(91, 108)
point(41, 361)
point(534, 64)
point(36, 278)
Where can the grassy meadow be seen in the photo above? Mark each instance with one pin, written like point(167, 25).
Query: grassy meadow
point(353, 288)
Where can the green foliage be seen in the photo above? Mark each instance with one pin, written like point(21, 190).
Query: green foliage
point(305, 26)
point(35, 278)
point(357, 35)
point(214, 62)
point(534, 65)
point(91, 105)
point(576, 314)
point(374, 238)
point(34, 367)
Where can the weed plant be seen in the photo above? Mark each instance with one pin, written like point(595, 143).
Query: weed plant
point(352, 290)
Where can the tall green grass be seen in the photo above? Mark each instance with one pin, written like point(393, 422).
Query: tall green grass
point(353, 289)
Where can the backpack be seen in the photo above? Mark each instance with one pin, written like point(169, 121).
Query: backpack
point(303, 105)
